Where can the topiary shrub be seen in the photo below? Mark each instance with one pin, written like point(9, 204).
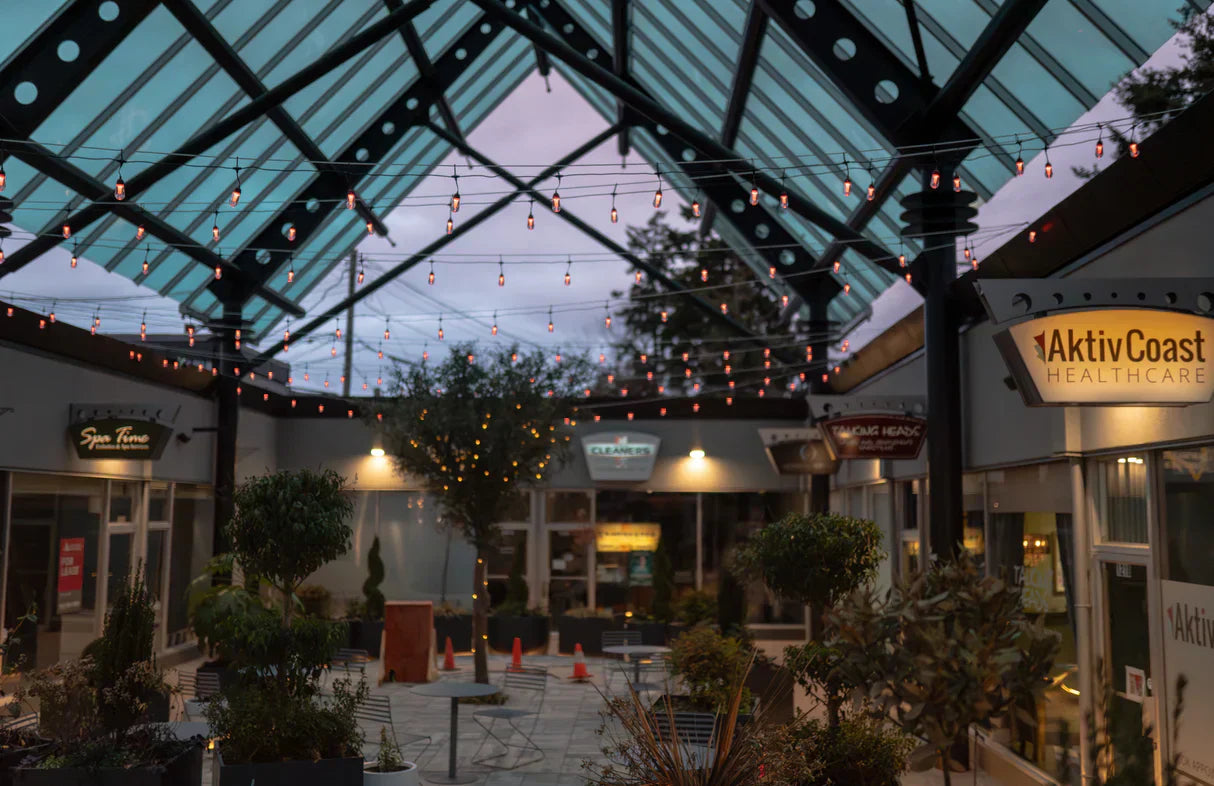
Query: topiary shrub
point(374, 608)
point(710, 666)
point(697, 607)
point(858, 750)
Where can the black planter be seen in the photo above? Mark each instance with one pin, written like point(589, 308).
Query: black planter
point(532, 631)
point(653, 634)
point(10, 757)
point(587, 631)
point(458, 627)
point(346, 771)
point(186, 768)
point(366, 635)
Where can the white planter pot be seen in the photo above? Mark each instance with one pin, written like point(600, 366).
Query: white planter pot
point(405, 777)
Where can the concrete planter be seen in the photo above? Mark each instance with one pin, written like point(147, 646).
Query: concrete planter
point(458, 627)
point(346, 771)
point(406, 777)
point(185, 768)
point(587, 631)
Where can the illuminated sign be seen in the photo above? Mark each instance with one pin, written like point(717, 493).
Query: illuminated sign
point(802, 457)
point(71, 575)
point(627, 456)
point(1111, 356)
point(1188, 649)
point(132, 440)
point(627, 537)
point(875, 436)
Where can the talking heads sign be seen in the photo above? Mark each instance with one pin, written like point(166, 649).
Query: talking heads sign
point(890, 437)
point(1111, 356)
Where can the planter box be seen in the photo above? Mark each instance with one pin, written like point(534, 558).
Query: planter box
point(458, 627)
point(346, 771)
point(11, 757)
point(366, 635)
point(587, 631)
point(185, 769)
point(653, 634)
point(503, 630)
point(405, 777)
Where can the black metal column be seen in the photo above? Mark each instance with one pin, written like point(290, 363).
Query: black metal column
point(227, 407)
point(936, 216)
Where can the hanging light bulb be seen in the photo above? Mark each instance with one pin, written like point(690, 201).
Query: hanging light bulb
point(1100, 142)
point(140, 232)
point(657, 195)
point(1049, 168)
point(380, 353)
point(956, 181)
point(836, 266)
point(430, 278)
point(686, 355)
point(966, 252)
point(871, 191)
point(218, 272)
point(847, 184)
point(337, 332)
point(1032, 235)
point(291, 271)
point(3, 183)
point(637, 276)
point(704, 274)
point(602, 358)
point(550, 325)
point(615, 214)
point(440, 327)
point(606, 319)
point(370, 228)
point(143, 328)
point(387, 332)
point(724, 308)
point(75, 258)
point(908, 278)
point(568, 277)
point(934, 182)
point(455, 196)
point(291, 233)
point(450, 224)
point(215, 229)
point(901, 260)
point(501, 273)
point(1019, 159)
point(556, 195)
point(784, 301)
point(771, 272)
point(361, 274)
point(235, 198)
point(783, 193)
point(493, 330)
point(665, 314)
point(695, 205)
point(1134, 141)
point(145, 261)
point(846, 287)
point(351, 198)
point(531, 215)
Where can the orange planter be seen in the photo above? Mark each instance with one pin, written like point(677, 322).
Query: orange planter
point(408, 640)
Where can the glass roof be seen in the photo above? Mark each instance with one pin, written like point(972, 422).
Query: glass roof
point(160, 87)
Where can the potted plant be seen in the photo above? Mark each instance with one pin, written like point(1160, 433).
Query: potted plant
point(480, 427)
point(389, 767)
point(95, 711)
point(695, 607)
point(367, 620)
point(452, 621)
point(273, 727)
point(514, 619)
point(584, 626)
point(710, 666)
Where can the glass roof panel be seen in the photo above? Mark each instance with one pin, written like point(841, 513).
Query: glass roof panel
point(390, 60)
point(338, 19)
point(1147, 23)
point(22, 20)
point(443, 24)
point(1079, 46)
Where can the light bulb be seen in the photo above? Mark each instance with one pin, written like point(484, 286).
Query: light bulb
point(1049, 169)
point(871, 193)
point(493, 330)
point(3, 183)
point(430, 278)
point(291, 275)
point(956, 182)
point(664, 315)
point(615, 216)
point(501, 279)
point(450, 226)
point(550, 325)
point(637, 277)
point(235, 196)
point(784, 200)
point(387, 333)
point(455, 202)
point(1133, 149)
point(602, 358)
point(847, 187)
point(846, 288)
point(370, 228)
point(724, 308)
point(836, 266)
point(1019, 166)
point(644, 358)
point(1032, 236)
point(361, 275)
point(556, 201)
point(568, 278)
point(704, 274)
point(725, 355)
point(695, 208)
point(771, 272)
point(215, 232)
point(686, 355)
point(350, 199)
point(754, 195)
point(935, 179)
point(67, 231)
point(902, 260)
point(140, 232)
point(218, 272)
point(119, 189)
point(657, 197)
point(530, 220)
point(291, 233)
point(75, 259)
point(1099, 148)
point(607, 322)
point(145, 267)
point(784, 301)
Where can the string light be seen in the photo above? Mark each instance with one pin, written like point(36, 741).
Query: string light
point(361, 273)
point(455, 196)
point(615, 214)
point(215, 229)
point(235, 198)
point(531, 215)
point(846, 178)
point(144, 267)
point(783, 192)
point(140, 232)
point(1049, 168)
point(602, 358)
point(754, 188)
point(119, 184)
point(493, 330)
point(1032, 235)
point(637, 276)
point(556, 195)
point(291, 270)
point(568, 277)
point(1100, 141)
point(956, 181)
point(450, 223)
point(387, 332)
point(218, 272)
point(847, 287)
point(657, 195)
point(934, 182)
point(75, 257)
point(550, 325)
point(143, 327)
point(1019, 158)
point(1134, 141)
point(695, 204)
point(606, 322)
point(784, 301)
point(370, 228)
point(871, 193)
point(724, 308)
point(665, 314)
point(351, 197)
point(704, 274)
point(291, 233)
point(440, 332)
point(501, 273)
point(3, 183)
point(835, 267)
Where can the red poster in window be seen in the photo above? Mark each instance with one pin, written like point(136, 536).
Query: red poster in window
point(71, 574)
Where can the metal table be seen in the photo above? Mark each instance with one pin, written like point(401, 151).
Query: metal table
point(637, 653)
point(454, 690)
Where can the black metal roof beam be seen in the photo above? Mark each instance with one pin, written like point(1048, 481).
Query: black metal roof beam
point(205, 139)
point(84, 184)
point(657, 274)
point(366, 151)
point(696, 139)
point(992, 44)
point(912, 24)
point(437, 245)
point(198, 26)
point(743, 77)
point(425, 67)
point(619, 59)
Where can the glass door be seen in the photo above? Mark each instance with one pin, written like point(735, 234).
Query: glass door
point(570, 556)
point(1126, 658)
point(509, 557)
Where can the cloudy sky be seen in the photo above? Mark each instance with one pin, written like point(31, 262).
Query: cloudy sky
point(531, 128)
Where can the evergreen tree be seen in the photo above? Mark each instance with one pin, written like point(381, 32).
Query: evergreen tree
point(375, 577)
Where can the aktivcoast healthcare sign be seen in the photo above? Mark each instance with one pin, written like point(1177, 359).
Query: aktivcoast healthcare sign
point(1188, 649)
point(1111, 356)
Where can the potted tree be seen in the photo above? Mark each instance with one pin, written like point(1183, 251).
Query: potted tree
point(95, 711)
point(367, 623)
point(389, 767)
point(513, 618)
point(478, 429)
point(272, 725)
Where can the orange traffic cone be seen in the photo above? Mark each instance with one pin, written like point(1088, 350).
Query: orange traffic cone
point(579, 665)
point(516, 660)
point(449, 656)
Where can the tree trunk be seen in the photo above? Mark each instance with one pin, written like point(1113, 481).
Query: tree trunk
point(946, 765)
point(480, 618)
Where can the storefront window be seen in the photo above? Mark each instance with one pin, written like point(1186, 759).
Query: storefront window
point(567, 507)
point(1188, 490)
point(1120, 498)
point(569, 580)
point(193, 514)
point(675, 514)
point(53, 564)
point(728, 520)
point(518, 508)
point(501, 561)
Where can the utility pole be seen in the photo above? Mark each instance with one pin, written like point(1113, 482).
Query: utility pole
point(349, 364)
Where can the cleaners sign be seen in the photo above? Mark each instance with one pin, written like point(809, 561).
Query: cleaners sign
point(627, 456)
point(1188, 649)
point(1111, 356)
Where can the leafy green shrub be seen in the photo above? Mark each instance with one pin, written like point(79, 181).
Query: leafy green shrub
point(587, 613)
point(375, 576)
point(858, 750)
point(390, 758)
point(696, 607)
point(710, 666)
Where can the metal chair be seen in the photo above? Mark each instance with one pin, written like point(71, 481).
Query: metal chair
point(27, 721)
point(694, 733)
point(377, 711)
point(520, 681)
point(348, 660)
point(616, 663)
point(196, 685)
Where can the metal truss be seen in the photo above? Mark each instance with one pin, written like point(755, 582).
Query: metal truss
point(425, 67)
point(754, 222)
point(207, 138)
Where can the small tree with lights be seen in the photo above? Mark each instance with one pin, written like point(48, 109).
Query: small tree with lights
point(478, 428)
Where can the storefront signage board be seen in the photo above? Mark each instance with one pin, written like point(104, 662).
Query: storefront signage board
point(71, 575)
point(627, 536)
point(1188, 649)
point(640, 569)
point(890, 437)
point(1108, 357)
point(129, 440)
point(620, 455)
point(802, 457)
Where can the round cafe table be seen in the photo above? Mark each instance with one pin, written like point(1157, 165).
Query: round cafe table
point(636, 653)
point(454, 690)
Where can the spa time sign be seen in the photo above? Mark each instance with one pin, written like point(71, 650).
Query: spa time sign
point(132, 440)
point(1111, 356)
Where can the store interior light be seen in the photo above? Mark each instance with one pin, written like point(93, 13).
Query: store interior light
point(1130, 460)
point(377, 452)
point(698, 453)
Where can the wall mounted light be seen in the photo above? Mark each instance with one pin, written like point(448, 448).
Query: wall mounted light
point(697, 454)
point(377, 452)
